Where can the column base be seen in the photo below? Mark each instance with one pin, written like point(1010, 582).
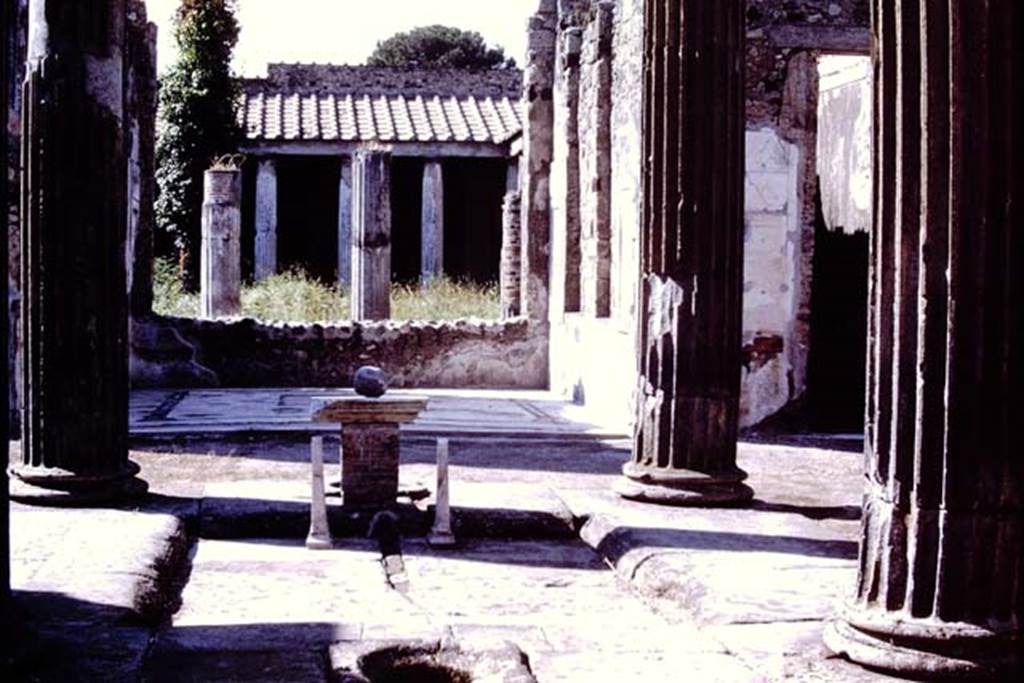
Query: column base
point(893, 642)
point(682, 487)
point(57, 487)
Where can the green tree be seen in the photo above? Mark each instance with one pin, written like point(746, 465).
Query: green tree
point(197, 122)
point(439, 46)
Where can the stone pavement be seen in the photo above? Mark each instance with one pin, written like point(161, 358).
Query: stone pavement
point(551, 564)
point(162, 412)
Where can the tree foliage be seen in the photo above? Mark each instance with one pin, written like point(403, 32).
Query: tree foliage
point(197, 122)
point(439, 46)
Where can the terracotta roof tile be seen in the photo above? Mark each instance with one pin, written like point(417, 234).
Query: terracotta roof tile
point(364, 104)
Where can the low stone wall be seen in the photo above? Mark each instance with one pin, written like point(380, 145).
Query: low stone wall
point(243, 352)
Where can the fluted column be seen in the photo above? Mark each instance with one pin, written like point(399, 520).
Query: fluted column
point(941, 583)
point(74, 300)
point(684, 449)
point(371, 236)
point(6, 35)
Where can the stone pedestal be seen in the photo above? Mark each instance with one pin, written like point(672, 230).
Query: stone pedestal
point(265, 260)
point(220, 259)
point(369, 443)
point(371, 236)
point(940, 589)
point(73, 280)
point(345, 223)
point(432, 223)
point(684, 448)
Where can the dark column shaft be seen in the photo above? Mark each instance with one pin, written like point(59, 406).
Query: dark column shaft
point(74, 297)
point(7, 33)
point(692, 256)
point(941, 582)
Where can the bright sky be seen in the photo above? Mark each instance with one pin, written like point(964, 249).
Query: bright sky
point(346, 31)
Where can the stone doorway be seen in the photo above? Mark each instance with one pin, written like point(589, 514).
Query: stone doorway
point(839, 295)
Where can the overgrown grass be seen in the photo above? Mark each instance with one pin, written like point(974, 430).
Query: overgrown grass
point(445, 299)
point(294, 296)
point(169, 295)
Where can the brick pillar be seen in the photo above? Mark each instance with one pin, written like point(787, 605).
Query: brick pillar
point(538, 147)
point(220, 258)
point(75, 303)
point(345, 223)
point(568, 123)
point(941, 584)
point(371, 236)
point(684, 449)
point(432, 223)
point(265, 261)
point(595, 209)
point(511, 255)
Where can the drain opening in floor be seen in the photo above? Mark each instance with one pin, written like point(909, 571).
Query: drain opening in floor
point(409, 665)
point(430, 662)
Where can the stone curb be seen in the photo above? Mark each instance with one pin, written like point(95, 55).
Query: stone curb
point(640, 566)
point(286, 519)
point(158, 593)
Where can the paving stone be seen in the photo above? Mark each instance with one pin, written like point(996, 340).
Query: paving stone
point(244, 667)
point(712, 594)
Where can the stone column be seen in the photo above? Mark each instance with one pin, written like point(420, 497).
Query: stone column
point(569, 129)
point(371, 236)
point(940, 589)
point(432, 223)
point(512, 175)
point(684, 449)
point(220, 259)
point(140, 113)
point(538, 148)
point(74, 303)
point(265, 261)
point(7, 33)
point(345, 223)
point(511, 255)
point(595, 165)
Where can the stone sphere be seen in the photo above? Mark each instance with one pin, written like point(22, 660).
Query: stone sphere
point(370, 381)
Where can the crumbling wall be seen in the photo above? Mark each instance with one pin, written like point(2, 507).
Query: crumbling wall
point(784, 41)
point(779, 30)
point(189, 352)
point(592, 328)
point(844, 143)
point(593, 358)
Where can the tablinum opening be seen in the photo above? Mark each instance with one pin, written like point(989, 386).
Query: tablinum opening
point(839, 295)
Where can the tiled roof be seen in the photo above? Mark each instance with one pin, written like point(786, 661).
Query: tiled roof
point(324, 103)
